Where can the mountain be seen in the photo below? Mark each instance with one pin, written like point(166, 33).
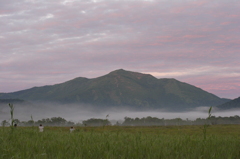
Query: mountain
point(122, 88)
point(5, 102)
point(233, 104)
point(13, 101)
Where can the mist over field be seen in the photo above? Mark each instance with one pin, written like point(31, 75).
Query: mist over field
point(78, 113)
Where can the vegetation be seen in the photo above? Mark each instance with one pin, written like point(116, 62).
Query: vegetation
point(54, 121)
point(145, 121)
point(11, 113)
point(206, 125)
point(233, 104)
point(153, 121)
point(122, 88)
point(96, 122)
point(114, 142)
point(110, 142)
point(13, 101)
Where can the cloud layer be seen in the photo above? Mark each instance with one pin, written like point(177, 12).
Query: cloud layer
point(47, 42)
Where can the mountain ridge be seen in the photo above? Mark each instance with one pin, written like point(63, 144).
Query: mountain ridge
point(122, 88)
point(233, 104)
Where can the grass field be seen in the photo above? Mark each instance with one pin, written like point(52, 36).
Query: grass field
point(115, 142)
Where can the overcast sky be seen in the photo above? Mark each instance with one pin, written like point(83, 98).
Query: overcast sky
point(44, 42)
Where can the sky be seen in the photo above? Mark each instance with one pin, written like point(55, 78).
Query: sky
point(45, 42)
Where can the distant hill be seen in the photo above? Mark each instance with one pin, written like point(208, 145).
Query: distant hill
point(15, 102)
point(12, 101)
point(122, 88)
point(235, 103)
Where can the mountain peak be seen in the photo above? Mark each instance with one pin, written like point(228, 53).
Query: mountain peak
point(138, 75)
point(118, 71)
point(122, 88)
point(131, 74)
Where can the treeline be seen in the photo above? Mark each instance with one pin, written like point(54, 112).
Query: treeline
point(58, 121)
point(54, 121)
point(153, 121)
point(146, 121)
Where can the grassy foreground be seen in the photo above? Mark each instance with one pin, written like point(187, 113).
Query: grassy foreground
point(113, 142)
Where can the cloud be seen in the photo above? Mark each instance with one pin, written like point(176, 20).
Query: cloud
point(43, 42)
point(48, 16)
point(203, 71)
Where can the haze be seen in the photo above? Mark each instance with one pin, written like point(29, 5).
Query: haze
point(78, 113)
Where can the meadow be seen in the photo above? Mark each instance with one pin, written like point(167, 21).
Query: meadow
point(119, 142)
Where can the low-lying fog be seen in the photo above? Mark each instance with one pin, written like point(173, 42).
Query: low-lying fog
point(78, 113)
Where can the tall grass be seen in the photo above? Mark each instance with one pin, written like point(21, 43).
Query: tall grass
point(121, 143)
point(206, 125)
point(11, 114)
point(113, 142)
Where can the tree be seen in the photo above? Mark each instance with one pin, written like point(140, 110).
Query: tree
point(58, 121)
point(5, 123)
point(96, 122)
point(16, 121)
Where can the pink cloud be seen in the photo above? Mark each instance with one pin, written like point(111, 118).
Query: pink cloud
point(220, 41)
point(199, 3)
point(234, 16)
point(223, 87)
point(193, 36)
point(157, 36)
point(46, 25)
point(225, 23)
